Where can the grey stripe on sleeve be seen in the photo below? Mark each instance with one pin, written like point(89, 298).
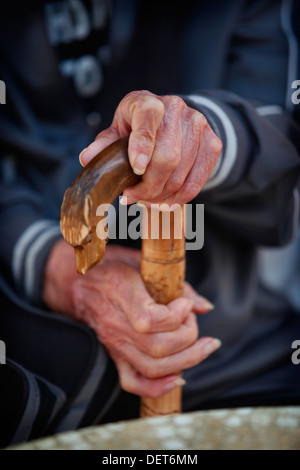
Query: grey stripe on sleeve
point(31, 408)
point(22, 245)
point(30, 274)
point(269, 110)
point(82, 401)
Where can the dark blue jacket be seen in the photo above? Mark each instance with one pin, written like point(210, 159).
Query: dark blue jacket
point(66, 66)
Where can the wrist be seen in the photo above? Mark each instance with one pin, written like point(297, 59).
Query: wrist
point(59, 275)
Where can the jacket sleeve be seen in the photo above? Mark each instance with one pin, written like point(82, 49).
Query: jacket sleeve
point(38, 150)
point(27, 231)
point(34, 173)
point(253, 192)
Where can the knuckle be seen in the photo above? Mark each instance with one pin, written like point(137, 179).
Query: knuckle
point(194, 117)
point(130, 95)
point(175, 159)
point(129, 101)
point(167, 158)
point(158, 106)
point(149, 371)
point(143, 101)
point(142, 323)
point(156, 350)
point(126, 384)
point(136, 95)
point(146, 138)
point(149, 103)
point(216, 145)
point(176, 102)
point(199, 121)
point(118, 344)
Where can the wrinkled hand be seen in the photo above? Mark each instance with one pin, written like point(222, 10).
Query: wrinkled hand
point(148, 342)
point(171, 141)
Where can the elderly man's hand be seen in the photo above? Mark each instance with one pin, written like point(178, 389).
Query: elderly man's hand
point(170, 144)
point(148, 342)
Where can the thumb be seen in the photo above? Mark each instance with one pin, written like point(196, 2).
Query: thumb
point(103, 140)
point(201, 304)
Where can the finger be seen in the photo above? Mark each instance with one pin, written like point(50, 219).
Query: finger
point(201, 304)
point(150, 317)
point(143, 112)
point(210, 150)
point(133, 382)
point(164, 344)
point(166, 155)
point(133, 301)
point(114, 330)
point(159, 367)
point(103, 140)
point(193, 123)
point(139, 113)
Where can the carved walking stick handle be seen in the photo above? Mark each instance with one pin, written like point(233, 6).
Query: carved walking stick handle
point(163, 259)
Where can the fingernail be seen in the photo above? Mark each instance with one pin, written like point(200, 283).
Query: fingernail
point(207, 305)
point(213, 345)
point(175, 383)
point(80, 155)
point(140, 164)
point(203, 304)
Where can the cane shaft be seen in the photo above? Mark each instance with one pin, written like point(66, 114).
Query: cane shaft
point(163, 272)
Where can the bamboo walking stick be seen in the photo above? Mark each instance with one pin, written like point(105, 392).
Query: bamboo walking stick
point(163, 272)
point(163, 259)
